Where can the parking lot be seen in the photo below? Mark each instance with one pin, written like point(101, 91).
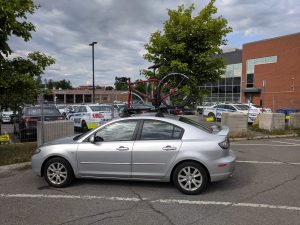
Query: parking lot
point(263, 190)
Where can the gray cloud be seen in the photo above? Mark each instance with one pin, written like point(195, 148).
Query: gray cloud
point(121, 27)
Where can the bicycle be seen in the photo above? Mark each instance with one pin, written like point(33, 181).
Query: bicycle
point(173, 91)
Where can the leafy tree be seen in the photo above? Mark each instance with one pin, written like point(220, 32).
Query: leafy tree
point(121, 83)
point(20, 78)
point(63, 84)
point(109, 88)
point(189, 45)
point(13, 21)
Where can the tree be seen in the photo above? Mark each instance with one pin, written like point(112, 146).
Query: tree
point(62, 84)
point(121, 83)
point(109, 88)
point(20, 78)
point(13, 21)
point(189, 45)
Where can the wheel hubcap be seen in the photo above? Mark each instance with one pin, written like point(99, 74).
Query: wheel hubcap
point(190, 178)
point(57, 173)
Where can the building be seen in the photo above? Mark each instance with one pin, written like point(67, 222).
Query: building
point(266, 73)
point(78, 96)
point(228, 88)
point(271, 72)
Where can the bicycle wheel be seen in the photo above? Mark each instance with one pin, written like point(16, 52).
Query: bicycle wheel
point(174, 90)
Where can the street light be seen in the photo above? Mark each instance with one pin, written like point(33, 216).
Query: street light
point(92, 44)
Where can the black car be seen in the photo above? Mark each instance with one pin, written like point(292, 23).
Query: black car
point(25, 123)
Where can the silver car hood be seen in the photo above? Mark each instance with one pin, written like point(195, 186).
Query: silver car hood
point(65, 140)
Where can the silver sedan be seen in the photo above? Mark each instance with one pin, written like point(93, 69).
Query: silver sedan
point(153, 148)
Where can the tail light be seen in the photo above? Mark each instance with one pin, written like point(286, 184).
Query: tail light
point(97, 115)
point(30, 120)
point(178, 111)
point(225, 143)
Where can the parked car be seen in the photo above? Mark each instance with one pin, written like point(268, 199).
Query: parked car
point(217, 110)
point(259, 109)
point(206, 104)
point(176, 149)
point(87, 117)
point(25, 123)
point(61, 109)
point(70, 110)
point(5, 116)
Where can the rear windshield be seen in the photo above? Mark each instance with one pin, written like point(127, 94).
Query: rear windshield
point(242, 107)
point(37, 111)
point(101, 108)
point(200, 126)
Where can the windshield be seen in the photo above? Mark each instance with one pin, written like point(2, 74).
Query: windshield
point(242, 107)
point(101, 108)
point(200, 126)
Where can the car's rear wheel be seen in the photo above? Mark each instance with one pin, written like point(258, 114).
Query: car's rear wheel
point(190, 178)
point(84, 126)
point(58, 172)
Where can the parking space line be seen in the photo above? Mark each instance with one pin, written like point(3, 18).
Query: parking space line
point(248, 144)
point(272, 162)
point(292, 140)
point(283, 142)
point(163, 201)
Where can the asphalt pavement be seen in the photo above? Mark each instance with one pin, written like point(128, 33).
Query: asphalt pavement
point(263, 190)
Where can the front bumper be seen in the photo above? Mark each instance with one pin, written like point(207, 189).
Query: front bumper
point(36, 164)
point(223, 168)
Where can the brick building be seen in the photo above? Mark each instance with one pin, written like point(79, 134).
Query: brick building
point(271, 72)
point(265, 72)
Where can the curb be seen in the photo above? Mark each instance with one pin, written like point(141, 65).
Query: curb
point(13, 166)
point(263, 137)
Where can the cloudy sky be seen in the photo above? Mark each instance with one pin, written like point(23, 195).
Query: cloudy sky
point(64, 30)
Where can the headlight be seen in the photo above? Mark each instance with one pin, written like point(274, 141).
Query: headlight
point(37, 151)
point(225, 144)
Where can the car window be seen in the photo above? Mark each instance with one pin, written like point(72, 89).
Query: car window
point(37, 111)
point(101, 108)
point(230, 107)
point(118, 131)
point(242, 107)
point(200, 126)
point(159, 130)
point(221, 106)
point(77, 109)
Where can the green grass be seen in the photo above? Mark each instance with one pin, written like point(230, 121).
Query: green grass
point(287, 130)
point(16, 153)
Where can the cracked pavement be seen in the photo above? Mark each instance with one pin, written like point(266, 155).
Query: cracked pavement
point(258, 193)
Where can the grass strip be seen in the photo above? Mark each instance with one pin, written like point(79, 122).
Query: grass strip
point(16, 153)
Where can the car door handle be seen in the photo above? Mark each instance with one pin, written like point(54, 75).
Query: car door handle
point(122, 148)
point(169, 148)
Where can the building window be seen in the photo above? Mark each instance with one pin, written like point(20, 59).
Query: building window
point(250, 63)
point(250, 80)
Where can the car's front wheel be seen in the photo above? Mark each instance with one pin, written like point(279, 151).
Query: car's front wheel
point(58, 172)
point(190, 178)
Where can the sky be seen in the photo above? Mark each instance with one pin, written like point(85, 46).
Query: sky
point(64, 30)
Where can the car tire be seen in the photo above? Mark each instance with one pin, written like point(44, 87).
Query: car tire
point(190, 178)
point(58, 172)
point(84, 126)
point(212, 115)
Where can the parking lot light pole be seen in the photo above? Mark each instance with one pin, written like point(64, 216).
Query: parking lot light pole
point(93, 44)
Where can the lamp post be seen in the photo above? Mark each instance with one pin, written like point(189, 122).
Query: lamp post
point(92, 44)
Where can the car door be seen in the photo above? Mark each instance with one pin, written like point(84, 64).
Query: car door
point(155, 149)
point(110, 153)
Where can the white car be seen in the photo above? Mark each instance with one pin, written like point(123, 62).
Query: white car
point(87, 117)
point(105, 110)
point(217, 110)
point(61, 109)
point(5, 116)
point(259, 109)
point(205, 105)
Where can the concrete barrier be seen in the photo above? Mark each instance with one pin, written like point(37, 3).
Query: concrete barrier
point(294, 120)
point(54, 130)
point(272, 121)
point(237, 122)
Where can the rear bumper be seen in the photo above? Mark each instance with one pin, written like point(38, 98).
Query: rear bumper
point(223, 168)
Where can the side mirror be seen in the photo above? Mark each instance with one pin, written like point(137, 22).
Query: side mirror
point(92, 139)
